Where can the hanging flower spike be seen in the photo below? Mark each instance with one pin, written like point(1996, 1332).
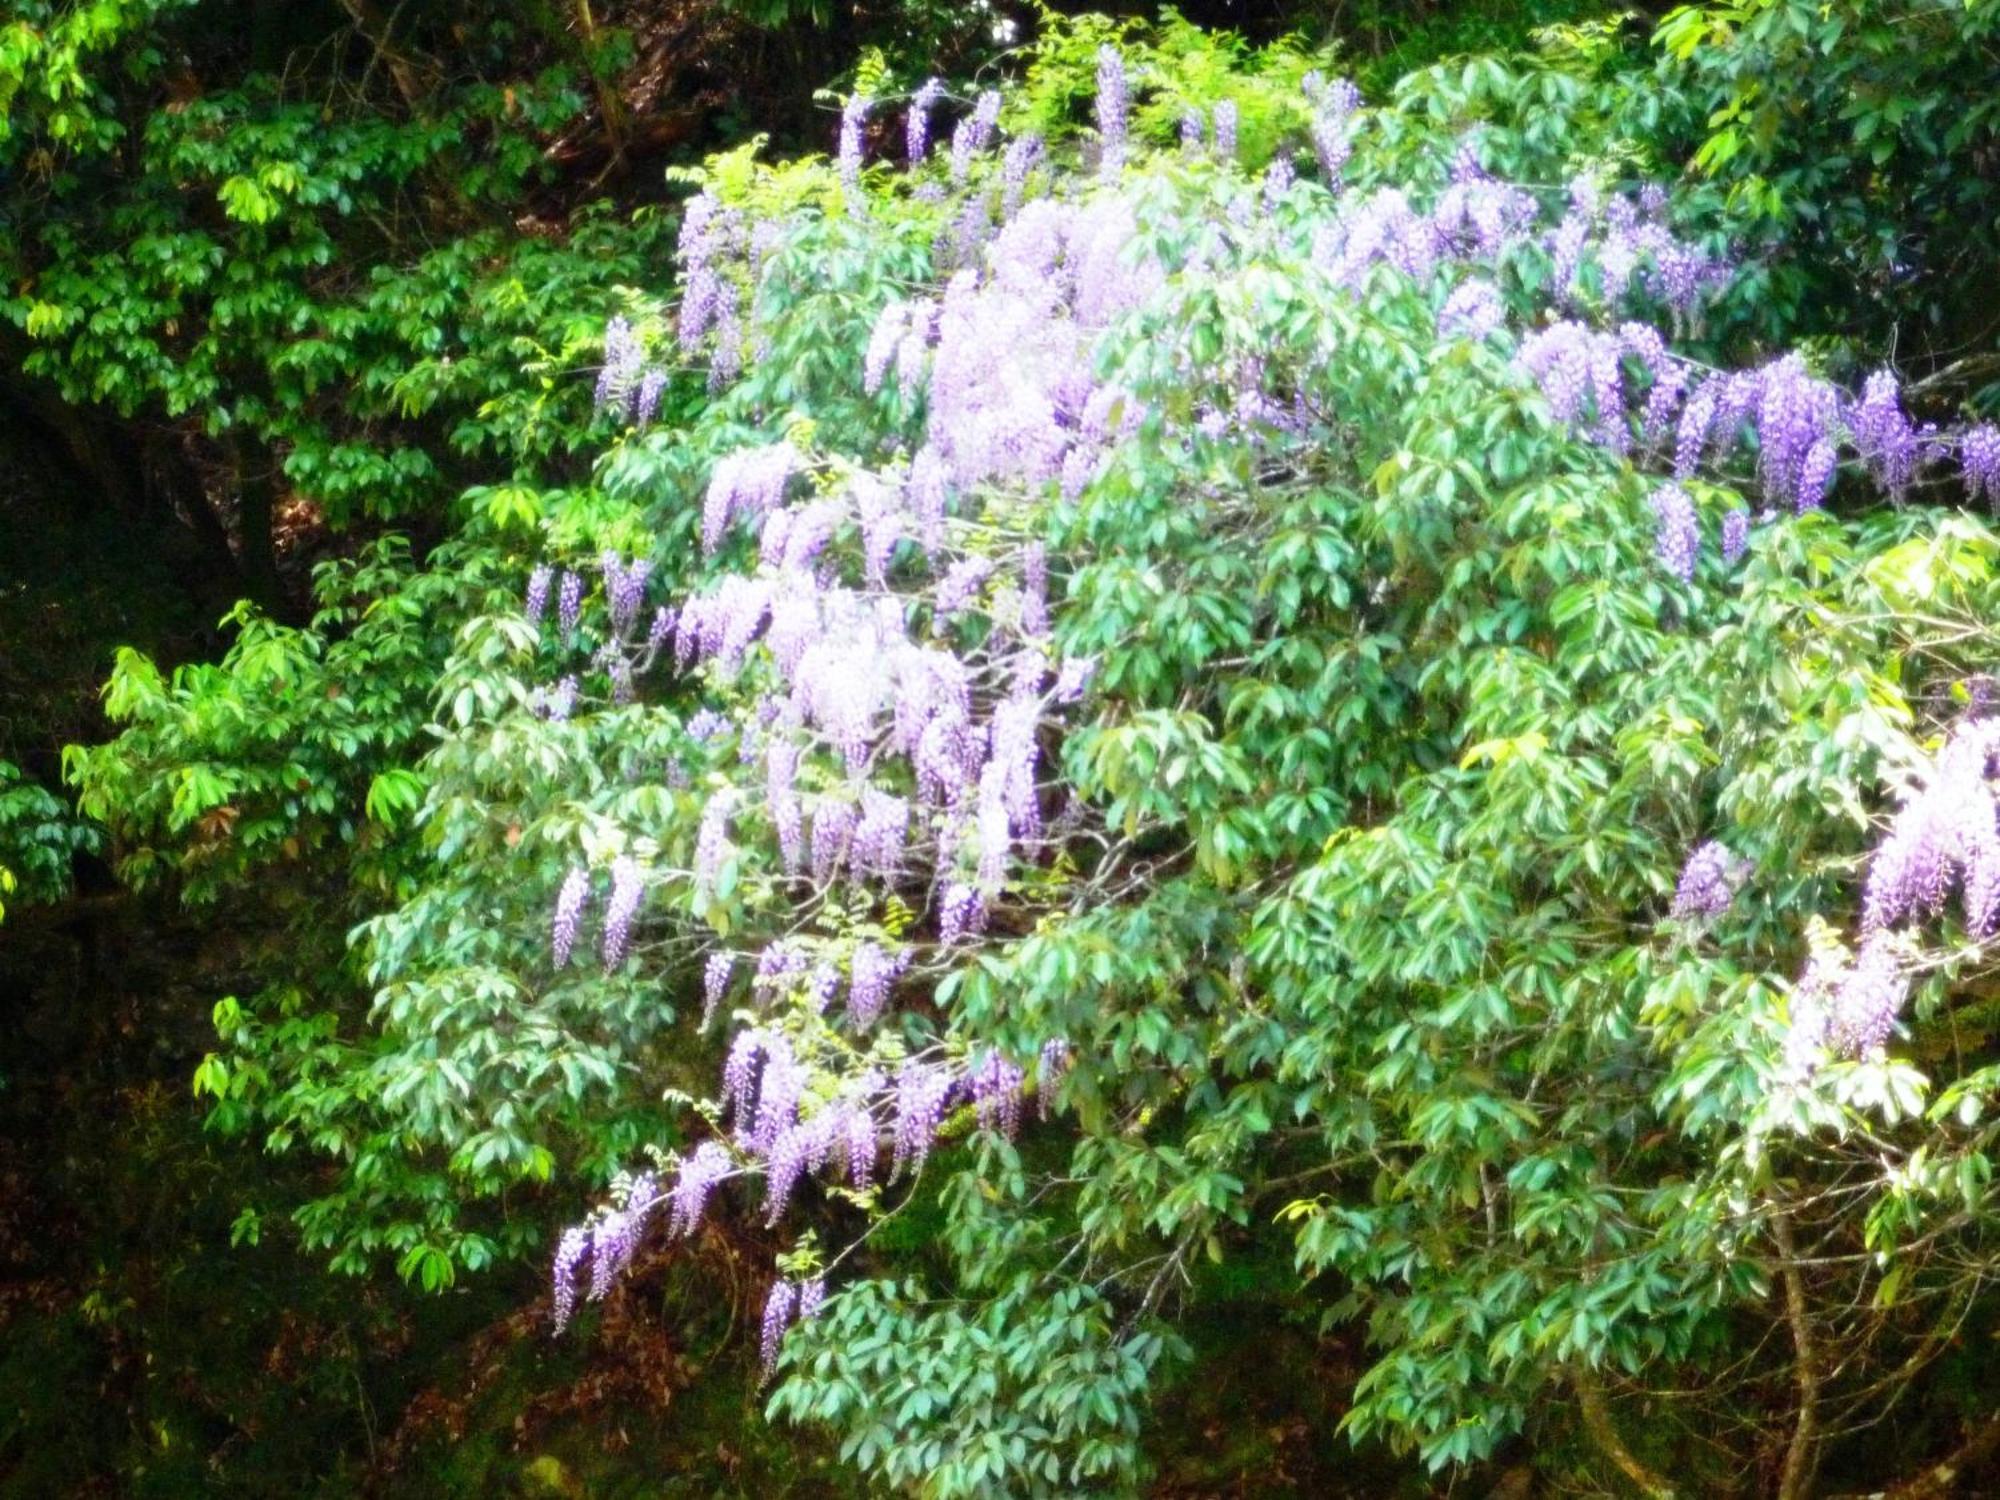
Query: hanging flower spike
point(1706, 885)
point(570, 605)
point(853, 116)
point(779, 1308)
point(1677, 541)
point(1114, 100)
point(1225, 130)
point(570, 901)
point(570, 1251)
point(715, 984)
point(537, 601)
point(628, 886)
point(917, 126)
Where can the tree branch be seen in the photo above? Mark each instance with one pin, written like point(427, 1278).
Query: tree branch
point(1802, 1452)
point(1942, 1479)
point(1597, 1421)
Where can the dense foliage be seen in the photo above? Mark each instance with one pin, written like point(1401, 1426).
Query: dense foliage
point(1173, 680)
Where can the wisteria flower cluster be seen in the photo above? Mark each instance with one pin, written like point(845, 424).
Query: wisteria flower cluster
point(1945, 834)
point(877, 647)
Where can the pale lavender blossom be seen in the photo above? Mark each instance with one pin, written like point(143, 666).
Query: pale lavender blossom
point(1074, 679)
point(570, 901)
point(628, 887)
point(712, 840)
point(812, 1297)
point(715, 984)
point(832, 831)
point(779, 1309)
point(974, 134)
point(1050, 1064)
point(1947, 830)
point(1707, 884)
point(879, 835)
point(1868, 1000)
point(1225, 130)
point(961, 913)
point(1677, 541)
point(922, 1090)
point(873, 974)
point(1735, 534)
point(621, 365)
point(1886, 438)
point(917, 124)
point(569, 606)
point(646, 405)
point(1979, 457)
point(537, 602)
point(615, 1238)
point(1472, 311)
point(853, 119)
point(699, 1173)
point(996, 1093)
point(1114, 99)
point(570, 1251)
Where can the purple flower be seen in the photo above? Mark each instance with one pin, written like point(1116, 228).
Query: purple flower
point(741, 1070)
point(1114, 99)
point(1472, 311)
point(1278, 180)
point(1885, 436)
point(1050, 1065)
point(812, 1297)
point(853, 116)
point(1074, 679)
point(570, 901)
point(832, 831)
point(922, 1090)
point(628, 886)
point(1194, 130)
point(712, 840)
point(1707, 882)
point(1735, 534)
point(570, 1250)
point(873, 972)
point(1677, 541)
point(974, 134)
point(1022, 154)
point(1868, 1000)
point(960, 586)
point(879, 835)
point(1225, 130)
point(890, 326)
point(779, 1308)
point(1691, 433)
point(560, 702)
point(783, 1169)
point(996, 1093)
point(917, 125)
point(570, 603)
point(615, 1239)
point(537, 602)
point(860, 1141)
point(961, 913)
point(647, 404)
point(715, 984)
point(1947, 829)
point(621, 365)
point(699, 1173)
point(1979, 457)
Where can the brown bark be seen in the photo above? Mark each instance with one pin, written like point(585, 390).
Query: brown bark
point(1942, 1480)
point(1802, 1452)
point(1604, 1432)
